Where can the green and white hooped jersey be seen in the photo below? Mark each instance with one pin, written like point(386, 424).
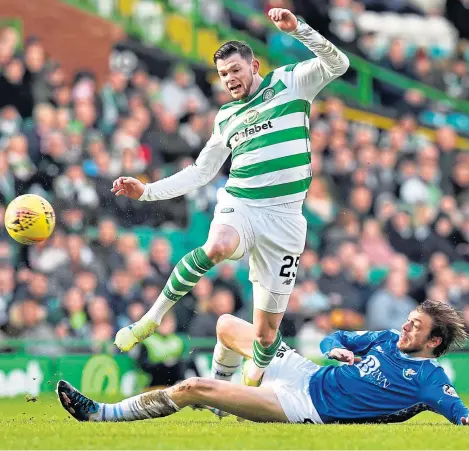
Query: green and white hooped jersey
point(268, 135)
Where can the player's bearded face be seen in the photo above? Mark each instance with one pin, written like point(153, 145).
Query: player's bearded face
point(415, 333)
point(237, 75)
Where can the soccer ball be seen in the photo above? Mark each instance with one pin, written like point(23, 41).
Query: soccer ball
point(29, 219)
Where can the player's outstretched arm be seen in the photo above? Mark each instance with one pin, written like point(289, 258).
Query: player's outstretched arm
point(198, 174)
point(128, 187)
point(343, 345)
point(310, 76)
point(343, 355)
point(440, 395)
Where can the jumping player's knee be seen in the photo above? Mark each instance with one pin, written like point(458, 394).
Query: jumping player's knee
point(222, 244)
point(219, 251)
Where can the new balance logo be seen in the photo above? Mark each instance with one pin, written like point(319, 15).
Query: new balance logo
point(287, 282)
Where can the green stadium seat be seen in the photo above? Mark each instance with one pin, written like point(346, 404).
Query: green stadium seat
point(416, 271)
point(377, 275)
point(199, 225)
point(242, 277)
point(461, 267)
point(315, 223)
point(313, 240)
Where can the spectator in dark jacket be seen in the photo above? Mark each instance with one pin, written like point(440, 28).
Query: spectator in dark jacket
point(205, 324)
point(15, 89)
point(401, 236)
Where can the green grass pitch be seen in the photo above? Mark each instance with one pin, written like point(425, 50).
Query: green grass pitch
point(45, 425)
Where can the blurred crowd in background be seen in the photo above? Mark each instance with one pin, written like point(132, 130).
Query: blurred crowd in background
point(425, 40)
point(388, 210)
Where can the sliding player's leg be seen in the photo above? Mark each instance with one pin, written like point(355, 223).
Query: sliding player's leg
point(223, 241)
point(238, 400)
point(236, 334)
point(288, 374)
point(235, 339)
point(255, 404)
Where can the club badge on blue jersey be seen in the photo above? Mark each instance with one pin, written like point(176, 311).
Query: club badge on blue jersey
point(409, 373)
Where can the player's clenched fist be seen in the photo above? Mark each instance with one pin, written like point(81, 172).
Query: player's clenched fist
point(284, 19)
point(344, 355)
point(129, 187)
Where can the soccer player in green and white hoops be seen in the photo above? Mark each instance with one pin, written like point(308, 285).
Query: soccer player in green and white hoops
point(266, 131)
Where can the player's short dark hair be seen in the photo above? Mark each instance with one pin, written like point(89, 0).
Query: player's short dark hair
point(447, 324)
point(230, 48)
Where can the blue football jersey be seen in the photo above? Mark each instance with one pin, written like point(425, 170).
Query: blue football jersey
point(386, 386)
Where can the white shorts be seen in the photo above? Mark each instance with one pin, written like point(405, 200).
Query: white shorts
point(289, 374)
point(275, 240)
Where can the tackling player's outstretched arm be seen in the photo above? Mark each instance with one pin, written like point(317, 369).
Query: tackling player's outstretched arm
point(309, 77)
point(440, 395)
point(207, 165)
point(342, 345)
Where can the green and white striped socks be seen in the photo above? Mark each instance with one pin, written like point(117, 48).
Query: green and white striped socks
point(190, 269)
point(186, 274)
point(263, 356)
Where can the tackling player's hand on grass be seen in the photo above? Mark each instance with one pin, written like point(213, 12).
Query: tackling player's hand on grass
point(465, 421)
point(129, 187)
point(284, 19)
point(344, 355)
